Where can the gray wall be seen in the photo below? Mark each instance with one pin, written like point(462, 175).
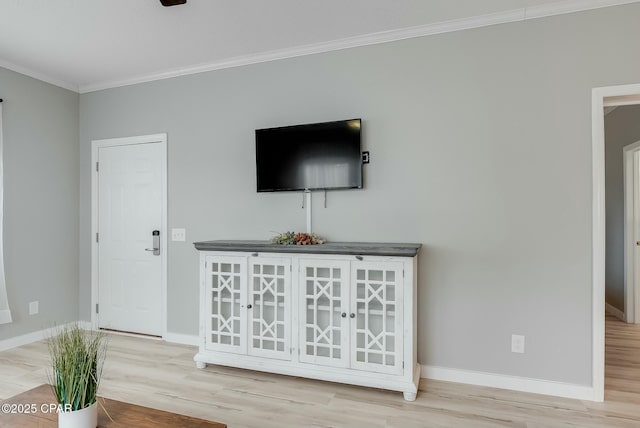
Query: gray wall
point(622, 127)
point(480, 149)
point(40, 202)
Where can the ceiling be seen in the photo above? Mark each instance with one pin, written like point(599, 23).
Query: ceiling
point(86, 45)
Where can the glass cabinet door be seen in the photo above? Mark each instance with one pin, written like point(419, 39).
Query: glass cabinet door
point(225, 327)
point(269, 307)
point(376, 301)
point(324, 318)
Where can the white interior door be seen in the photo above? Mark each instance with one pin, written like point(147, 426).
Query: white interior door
point(130, 207)
point(634, 295)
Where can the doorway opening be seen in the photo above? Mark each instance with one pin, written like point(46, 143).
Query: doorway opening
point(605, 97)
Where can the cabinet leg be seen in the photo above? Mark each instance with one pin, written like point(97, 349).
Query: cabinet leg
point(201, 365)
point(410, 396)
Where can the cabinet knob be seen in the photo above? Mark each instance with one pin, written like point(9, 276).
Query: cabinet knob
point(343, 315)
point(249, 306)
point(352, 315)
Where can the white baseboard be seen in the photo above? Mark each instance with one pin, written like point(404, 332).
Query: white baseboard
point(36, 336)
point(515, 383)
point(614, 311)
point(26, 339)
point(85, 325)
point(182, 339)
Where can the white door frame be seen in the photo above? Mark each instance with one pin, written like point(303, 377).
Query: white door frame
point(95, 145)
point(601, 98)
point(631, 197)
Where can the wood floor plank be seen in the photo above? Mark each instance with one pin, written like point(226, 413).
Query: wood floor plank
point(155, 374)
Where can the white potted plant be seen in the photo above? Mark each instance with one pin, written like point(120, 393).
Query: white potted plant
point(77, 357)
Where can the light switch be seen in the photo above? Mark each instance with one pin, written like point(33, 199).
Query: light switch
point(178, 234)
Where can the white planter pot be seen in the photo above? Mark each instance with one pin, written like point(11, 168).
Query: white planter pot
point(83, 418)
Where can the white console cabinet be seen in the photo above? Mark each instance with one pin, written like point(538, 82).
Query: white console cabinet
point(339, 312)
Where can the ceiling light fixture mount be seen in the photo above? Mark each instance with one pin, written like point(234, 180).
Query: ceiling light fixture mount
point(172, 2)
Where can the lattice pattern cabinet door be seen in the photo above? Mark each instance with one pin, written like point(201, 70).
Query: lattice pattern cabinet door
point(324, 320)
point(376, 300)
point(225, 326)
point(270, 307)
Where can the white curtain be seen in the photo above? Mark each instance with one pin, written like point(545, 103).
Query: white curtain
point(5, 313)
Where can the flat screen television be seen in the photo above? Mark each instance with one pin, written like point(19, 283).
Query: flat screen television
point(318, 156)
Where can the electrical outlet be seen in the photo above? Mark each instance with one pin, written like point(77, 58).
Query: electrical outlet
point(34, 307)
point(517, 343)
point(178, 235)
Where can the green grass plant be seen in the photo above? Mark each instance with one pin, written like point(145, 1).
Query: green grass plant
point(77, 357)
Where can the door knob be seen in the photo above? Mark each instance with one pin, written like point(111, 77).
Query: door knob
point(343, 315)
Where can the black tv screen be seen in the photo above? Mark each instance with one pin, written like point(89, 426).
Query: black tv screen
point(309, 157)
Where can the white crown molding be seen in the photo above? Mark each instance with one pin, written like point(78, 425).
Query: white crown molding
point(38, 76)
point(570, 6)
point(515, 15)
point(522, 14)
point(515, 383)
point(316, 48)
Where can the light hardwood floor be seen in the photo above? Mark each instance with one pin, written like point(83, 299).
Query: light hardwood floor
point(160, 375)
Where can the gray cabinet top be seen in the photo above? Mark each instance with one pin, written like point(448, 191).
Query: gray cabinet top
point(351, 248)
